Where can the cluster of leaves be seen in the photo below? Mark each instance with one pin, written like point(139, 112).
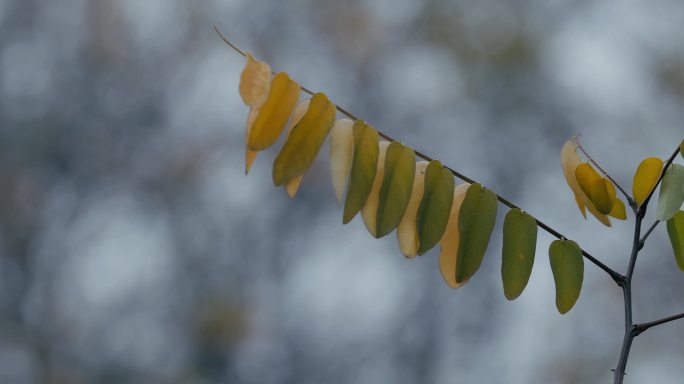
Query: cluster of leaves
point(384, 181)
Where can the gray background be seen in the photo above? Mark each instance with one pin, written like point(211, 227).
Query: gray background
point(133, 249)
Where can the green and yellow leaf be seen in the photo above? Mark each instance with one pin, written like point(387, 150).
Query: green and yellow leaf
point(435, 206)
point(567, 266)
point(407, 232)
point(341, 153)
point(369, 212)
point(274, 112)
point(675, 229)
point(292, 186)
point(475, 223)
point(646, 178)
point(255, 81)
point(519, 247)
point(448, 255)
point(397, 184)
point(302, 145)
point(364, 166)
point(671, 193)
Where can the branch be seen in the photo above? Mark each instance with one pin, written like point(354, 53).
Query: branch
point(630, 201)
point(639, 328)
point(618, 278)
point(648, 232)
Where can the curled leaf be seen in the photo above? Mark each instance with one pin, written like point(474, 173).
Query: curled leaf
point(397, 184)
point(274, 112)
point(249, 154)
point(435, 206)
point(671, 192)
point(305, 140)
point(255, 81)
point(475, 223)
point(407, 233)
point(603, 195)
point(364, 166)
point(675, 230)
point(570, 161)
point(369, 212)
point(341, 153)
point(449, 243)
point(646, 178)
point(567, 266)
point(519, 247)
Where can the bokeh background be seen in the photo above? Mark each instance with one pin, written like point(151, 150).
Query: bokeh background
point(133, 249)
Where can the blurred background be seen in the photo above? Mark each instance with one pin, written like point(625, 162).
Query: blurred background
point(133, 249)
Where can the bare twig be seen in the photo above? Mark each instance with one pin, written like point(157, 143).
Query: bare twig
point(639, 328)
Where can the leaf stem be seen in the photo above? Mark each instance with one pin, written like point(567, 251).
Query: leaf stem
point(612, 273)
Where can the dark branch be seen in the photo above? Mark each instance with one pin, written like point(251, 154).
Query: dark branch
point(639, 328)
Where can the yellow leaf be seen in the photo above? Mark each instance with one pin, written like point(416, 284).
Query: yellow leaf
point(645, 178)
point(407, 231)
point(586, 175)
point(603, 195)
point(448, 256)
point(292, 186)
point(250, 155)
point(274, 113)
point(369, 212)
point(619, 212)
point(255, 81)
point(302, 145)
point(570, 161)
point(341, 153)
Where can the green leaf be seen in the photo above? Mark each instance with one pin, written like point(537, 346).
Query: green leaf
point(475, 223)
point(675, 229)
point(519, 246)
point(567, 266)
point(395, 193)
point(671, 192)
point(435, 206)
point(364, 166)
point(305, 140)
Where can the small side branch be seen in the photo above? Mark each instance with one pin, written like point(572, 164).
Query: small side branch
point(618, 278)
point(639, 328)
point(642, 241)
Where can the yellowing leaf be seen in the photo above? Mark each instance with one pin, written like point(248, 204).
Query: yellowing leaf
point(675, 229)
point(255, 81)
point(570, 161)
point(274, 113)
point(302, 145)
point(671, 192)
point(586, 175)
point(397, 184)
point(567, 266)
point(603, 195)
point(250, 155)
point(681, 149)
point(435, 206)
point(618, 210)
point(369, 212)
point(364, 166)
point(292, 186)
point(519, 247)
point(407, 233)
point(341, 153)
point(450, 240)
point(645, 178)
point(475, 223)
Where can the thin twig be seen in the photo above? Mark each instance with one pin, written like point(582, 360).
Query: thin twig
point(612, 273)
point(648, 233)
point(639, 328)
point(630, 201)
